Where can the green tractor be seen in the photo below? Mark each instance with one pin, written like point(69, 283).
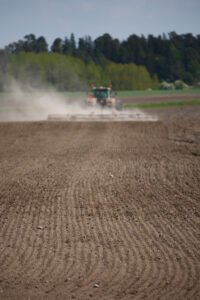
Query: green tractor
point(102, 96)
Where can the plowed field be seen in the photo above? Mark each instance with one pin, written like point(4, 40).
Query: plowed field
point(100, 210)
point(160, 98)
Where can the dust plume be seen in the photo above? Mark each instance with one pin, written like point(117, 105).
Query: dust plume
point(32, 102)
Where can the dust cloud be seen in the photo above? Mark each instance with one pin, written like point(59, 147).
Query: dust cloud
point(31, 102)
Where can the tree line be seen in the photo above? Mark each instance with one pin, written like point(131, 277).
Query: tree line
point(68, 73)
point(149, 59)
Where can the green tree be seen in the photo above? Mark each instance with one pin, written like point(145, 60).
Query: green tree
point(57, 46)
point(72, 44)
point(30, 43)
point(66, 46)
point(41, 45)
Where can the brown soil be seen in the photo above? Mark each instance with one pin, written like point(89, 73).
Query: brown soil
point(161, 98)
point(190, 112)
point(100, 210)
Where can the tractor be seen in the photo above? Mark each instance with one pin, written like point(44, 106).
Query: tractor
point(102, 96)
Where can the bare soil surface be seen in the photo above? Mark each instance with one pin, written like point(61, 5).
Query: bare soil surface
point(100, 210)
point(184, 113)
point(189, 112)
point(160, 98)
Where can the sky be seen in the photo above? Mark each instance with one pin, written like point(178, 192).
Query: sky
point(119, 18)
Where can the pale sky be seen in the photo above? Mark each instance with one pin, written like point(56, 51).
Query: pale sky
point(119, 18)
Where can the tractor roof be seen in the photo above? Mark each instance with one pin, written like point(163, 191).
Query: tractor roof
point(101, 88)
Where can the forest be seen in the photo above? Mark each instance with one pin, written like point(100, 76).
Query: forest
point(133, 64)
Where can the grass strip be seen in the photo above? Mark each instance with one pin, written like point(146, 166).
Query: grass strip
point(162, 104)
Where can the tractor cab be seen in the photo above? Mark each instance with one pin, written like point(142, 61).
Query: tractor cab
point(101, 93)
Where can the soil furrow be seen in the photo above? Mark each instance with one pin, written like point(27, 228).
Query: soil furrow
point(100, 210)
